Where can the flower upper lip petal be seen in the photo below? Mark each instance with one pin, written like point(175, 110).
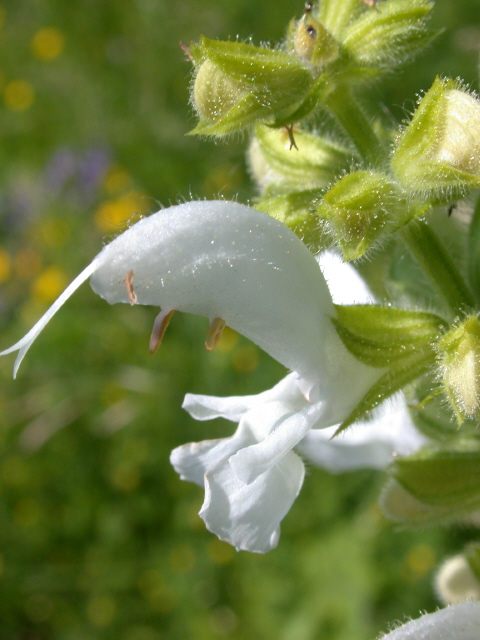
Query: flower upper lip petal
point(221, 260)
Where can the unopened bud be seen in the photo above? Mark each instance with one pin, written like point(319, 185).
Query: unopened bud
point(214, 92)
point(360, 209)
point(459, 352)
point(238, 85)
point(313, 43)
point(456, 581)
point(279, 169)
point(439, 152)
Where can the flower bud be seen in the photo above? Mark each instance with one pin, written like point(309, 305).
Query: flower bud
point(360, 209)
point(387, 38)
point(456, 581)
point(439, 152)
point(459, 352)
point(214, 93)
point(238, 84)
point(277, 169)
point(313, 43)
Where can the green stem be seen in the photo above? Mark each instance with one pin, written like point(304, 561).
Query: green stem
point(352, 119)
point(438, 265)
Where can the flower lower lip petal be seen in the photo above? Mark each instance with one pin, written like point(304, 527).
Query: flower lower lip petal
point(248, 516)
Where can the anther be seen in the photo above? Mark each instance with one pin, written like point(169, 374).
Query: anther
point(132, 296)
point(214, 333)
point(159, 327)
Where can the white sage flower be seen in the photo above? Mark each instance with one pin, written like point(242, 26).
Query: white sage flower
point(239, 267)
point(252, 478)
point(457, 622)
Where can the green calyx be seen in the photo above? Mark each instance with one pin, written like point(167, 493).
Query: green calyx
point(438, 154)
point(361, 209)
point(399, 341)
point(459, 356)
point(278, 169)
point(441, 478)
point(238, 84)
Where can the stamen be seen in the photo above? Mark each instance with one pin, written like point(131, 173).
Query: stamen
point(291, 137)
point(214, 333)
point(159, 327)
point(186, 51)
point(132, 296)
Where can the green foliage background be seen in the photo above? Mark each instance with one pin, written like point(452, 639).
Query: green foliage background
point(99, 539)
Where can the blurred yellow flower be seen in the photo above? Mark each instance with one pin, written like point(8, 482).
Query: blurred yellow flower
point(245, 359)
point(114, 214)
point(48, 43)
point(27, 263)
point(117, 179)
point(101, 610)
point(18, 95)
point(49, 284)
point(54, 232)
point(5, 265)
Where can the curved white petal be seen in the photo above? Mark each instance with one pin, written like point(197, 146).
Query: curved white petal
point(458, 622)
point(232, 408)
point(193, 460)
point(249, 516)
point(221, 260)
point(285, 430)
point(369, 444)
point(23, 345)
point(345, 284)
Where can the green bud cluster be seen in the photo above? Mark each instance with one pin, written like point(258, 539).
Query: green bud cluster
point(330, 48)
point(374, 191)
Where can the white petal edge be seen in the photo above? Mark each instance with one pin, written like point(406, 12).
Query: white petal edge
point(248, 516)
point(372, 444)
point(345, 284)
point(193, 460)
point(23, 345)
point(458, 622)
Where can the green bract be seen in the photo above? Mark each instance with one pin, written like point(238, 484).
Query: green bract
point(399, 341)
point(388, 37)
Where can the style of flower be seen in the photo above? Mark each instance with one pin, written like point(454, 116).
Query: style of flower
point(252, 478)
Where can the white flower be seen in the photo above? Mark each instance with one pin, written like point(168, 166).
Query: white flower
point(252, 478)
point(458, 622)
point(239, 267)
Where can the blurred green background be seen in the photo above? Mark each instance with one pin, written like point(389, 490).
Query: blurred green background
point(99, 537)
